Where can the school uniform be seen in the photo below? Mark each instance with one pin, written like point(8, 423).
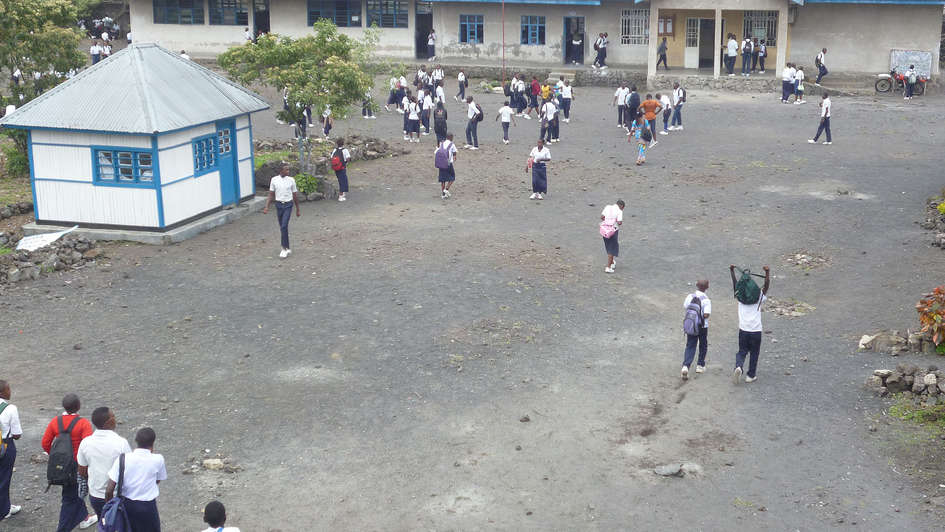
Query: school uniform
point(72, 510)
point(425, 113)
point(702, 338)
point(747, 47)
point(824, 119)
point(821, 66)
point(787, 83)
point(440, 94)
point(910, 87)
point(143, 471)
point(461, 81)
point(431, 45)
point(601, 59)
point(392, 97)
point(98, 452)
point(762, 54)
point(749, 335)
point(679, 98)
point(548, 111)
point(731, 53)
point(366, 110)
point(326, 120)
point(405, 105)
point(448, 175)
point(472, 126)
point(96, 52)
point(9, 427)
point(633, 108)
point(621, 98)
point(342, 175)
point(799, 86)
point(505, 114)
point(413, 118)
point(667, 110)
point(567, 96)
point(612, 215)
point(284, 189)
point(539, 170)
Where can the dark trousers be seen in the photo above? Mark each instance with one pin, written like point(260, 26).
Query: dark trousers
point(566, 107)
point(6, 474)
point(284, 214)
point(667, 113)
point(545, 130)
point(96, 58)
point(505, 130)
point(662, 59)
point(652, 125)
point(786, 88)
point(746, 63)
point(143, 515)
point(342, 176)
point(73, 510)
point(677, 115)
point(910, 87)
point(821, 72)
point(472, 132)
point(406, 120)
point(425, 119)
point(823, 128)
point(730, 63)
point(553, 125)
point(602, 56)
point(761, 63)
point(97, 505)
point(366, 108)
point(462, 90)
point(621, 113)
point(431, 50)
point(690, 353)
point(749, 343)
point(754, 61)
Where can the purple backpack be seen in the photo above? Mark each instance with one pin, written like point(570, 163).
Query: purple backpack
point(441, 159)
point(692, 323)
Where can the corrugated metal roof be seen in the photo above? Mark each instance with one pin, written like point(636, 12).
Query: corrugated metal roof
point(141, 89)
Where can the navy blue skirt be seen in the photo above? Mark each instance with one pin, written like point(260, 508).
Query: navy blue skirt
point(612, 245)
point(539, 178)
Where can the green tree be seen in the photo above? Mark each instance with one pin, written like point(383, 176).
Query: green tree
point(35, 36)
point(327, 68)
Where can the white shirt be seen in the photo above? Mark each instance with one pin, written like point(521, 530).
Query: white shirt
point(327, 112)
point(506, 113)
point(128, 36)
point(450, 148)
point(461, 77)
point(621, 95)
point(431, 39)
point(98, 452)
point(706, 305)
point(344, 153)
point(549, 109)
point(403, 81)
point(786, 74)
point(732, 48)
point(440, 94)
point(185, 56)
point(612, 213)
point(413, 111)
point(143, 470)
point(821, 56)
point(437, 74)
point(677, 96)
point(427, 102)
point(10, 421)
point(566, 92)
point(602, 42)
point(825, 107)
point(105, 36)
point(749, 316)
point(95, 50)
point(393, 83)
point(540, 156)
point(471, 111)
point(793, 74)
point(248, 35)
point(405, 102)
point(799, 75)
point(665, 102)
point(283, 186)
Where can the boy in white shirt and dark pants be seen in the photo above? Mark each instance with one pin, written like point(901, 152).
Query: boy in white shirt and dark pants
point(703, 337)
point(143, 470)
point(824, 120)
point(96, 455)
point(285, 193)
point(749, 331)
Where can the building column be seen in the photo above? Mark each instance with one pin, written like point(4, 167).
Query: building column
point(654, 37)
point(716, 62)
point(782, 38)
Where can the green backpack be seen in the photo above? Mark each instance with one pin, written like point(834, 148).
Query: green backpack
point(746, 289)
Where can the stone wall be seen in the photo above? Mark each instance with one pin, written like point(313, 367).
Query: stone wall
point(14, 209)
point(923, 386)
point(65, 253)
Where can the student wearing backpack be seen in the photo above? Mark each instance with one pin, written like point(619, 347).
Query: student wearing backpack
point(750, 300)
point(819, 61)
point(747, 47)
point(611, 218)
point(214, 514)
point(339, 163)
point(61, 441)
point(474, 114)
point(10, 431)
point(144, 470)
point(439, 121)
point(698, 307)
point(762, 53)
point(910, 78)
point(96, 455)
point(679, 98)
point(508, 117)
point(443, 159)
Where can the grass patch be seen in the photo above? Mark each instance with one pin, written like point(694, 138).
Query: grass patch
point(5, 251)
point(268, 157)
point(906, 410)
point(14, 190)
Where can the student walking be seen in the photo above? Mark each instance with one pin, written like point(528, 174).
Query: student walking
point(601, 46)
point(667, 105)
point(679, 98)
point(661, 52)
point(698, 308)
point(214, 514)
point(96, 52)
point(426, 111)
point(535, 90)
point(443, 159)
point(339, 163)
point(405, 110)
point(620, 100)
point(508, 117)
point(439, 92)
point(327, 121)
point(413, 120)
point(749, 329)
point(824, 126)
point(633, 108)
point(537, 159)
point(96, 455)
point(640, 134)
point(285, 193)
point(439, 122)
point(474, 116)
point(799, 86)
point(821, 63)
point(567, 98)
point(142, 469)
point(549, 114)
point(71, 429)
point(462, 82)
point(611, 218)
point(10, 431)
point(650, 109)
point(787, 82)
point(731, 53)
point(367, 106)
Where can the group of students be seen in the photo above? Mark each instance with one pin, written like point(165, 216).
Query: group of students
point(638, 117)
point(90, 460)
point(752, 50)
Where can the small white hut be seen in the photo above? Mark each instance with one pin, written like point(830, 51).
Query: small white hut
point(142, 140)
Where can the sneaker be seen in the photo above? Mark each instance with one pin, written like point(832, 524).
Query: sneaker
point(700, 369)
point(811, 141)
point(527, 117)
point(505, 142)
point(447, 193)
point(679, 128)
point(761, 71)
point(664, 132)
point(442, 194)
point(406, 137)
point(827, 143)
point(14, 509)
point(797, 102)
point(90, 520)
point(605, 67)
point(751, 379)
point(342, 198)
point(685, 373)
point(471, 148)
point(283, 254)
point(425, 133)
point(608, 270)
point(467, 146)
point(654, 143)
point(288, 252)
point(372, 117)
point(731, 75)
point(737, 375)
point(567, 120)
point(401, 111)
point(533, 196)
point(619, 125)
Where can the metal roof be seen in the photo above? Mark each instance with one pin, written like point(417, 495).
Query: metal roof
point(141, 89)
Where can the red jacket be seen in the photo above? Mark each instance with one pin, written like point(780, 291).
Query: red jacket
point(536, 88)
point(82, 430)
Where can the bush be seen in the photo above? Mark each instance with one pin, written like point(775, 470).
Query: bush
point(267, 157)
point(931, 309)
point(17, 161)
point(307, 183)
point(941, 208)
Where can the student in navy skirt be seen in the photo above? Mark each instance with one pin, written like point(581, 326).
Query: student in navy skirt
point(611, 219)
point(538, 157)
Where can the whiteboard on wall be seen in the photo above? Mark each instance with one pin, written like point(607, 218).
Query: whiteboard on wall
point(899, 60)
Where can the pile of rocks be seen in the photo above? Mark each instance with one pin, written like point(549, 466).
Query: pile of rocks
point(806, 260)
point(935, 221)
point(14, 209)
point(66, 253)
point(736, 84)
point(925, 387)
point(894, 342)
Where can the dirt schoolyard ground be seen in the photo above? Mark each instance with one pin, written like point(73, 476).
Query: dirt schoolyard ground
point(420, 364)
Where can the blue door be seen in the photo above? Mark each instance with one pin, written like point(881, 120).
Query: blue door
point(226, 153)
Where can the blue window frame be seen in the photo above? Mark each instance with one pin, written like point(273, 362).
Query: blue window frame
point(122, 166)
point(178, 11)
point(387, 13)
point(344, 13)
point(205, 154)
point(470, 29)
point(228, 12)
point(533, 30)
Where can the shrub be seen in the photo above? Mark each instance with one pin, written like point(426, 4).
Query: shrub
point(931, 309)
point(941, 208)
point(307, 183)
point(17, 162)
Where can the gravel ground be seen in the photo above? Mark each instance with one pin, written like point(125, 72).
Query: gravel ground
point(377, 379)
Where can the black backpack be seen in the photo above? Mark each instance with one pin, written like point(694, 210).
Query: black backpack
point(479, 114)
point(62, 467)
point(646, 135)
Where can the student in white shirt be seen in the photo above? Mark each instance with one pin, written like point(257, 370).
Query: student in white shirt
point(461, 82)
point(702, 338)
point(749, 331)
point(506, 113)
point(447, 175)
point(787, 82)
point(799, 86)
point(342, 175)
point(472, 125)
point(214, 514)
point(327, 121)
point(548, 114)
point(824, 120)
point(679, 98)
point(10, 431)
point(183, 53)
point(128, 37)
point(426, 109)
point(440, 93)
point(431, 45)
point(731, 53)
point(405, 108)
point(762, 54)
point(413, 120)
point(567, 98)
point(97, 453)
point(821, 62)
point(96, 52)
point(667, 111)
point(601, 44)
point(909, 78)
point(620, 100)
point(247, 35)
point(611, 218)
point(538, 158)
point(283, 191)
point(747, 48)
point(144, 470)
point(392, 95)
point(437, 74)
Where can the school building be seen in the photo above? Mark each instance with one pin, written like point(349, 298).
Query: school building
point(859, 34)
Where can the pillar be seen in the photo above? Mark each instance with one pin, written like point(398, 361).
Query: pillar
point(782, 38)
point(654, 37)
point(716, 62)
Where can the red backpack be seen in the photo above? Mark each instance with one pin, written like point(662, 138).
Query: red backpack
point(337, 160)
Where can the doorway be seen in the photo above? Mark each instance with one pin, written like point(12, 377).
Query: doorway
point(226, 158)
point(423, 23)
point(260, 16)
point(574, 40)
point(706, 43)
